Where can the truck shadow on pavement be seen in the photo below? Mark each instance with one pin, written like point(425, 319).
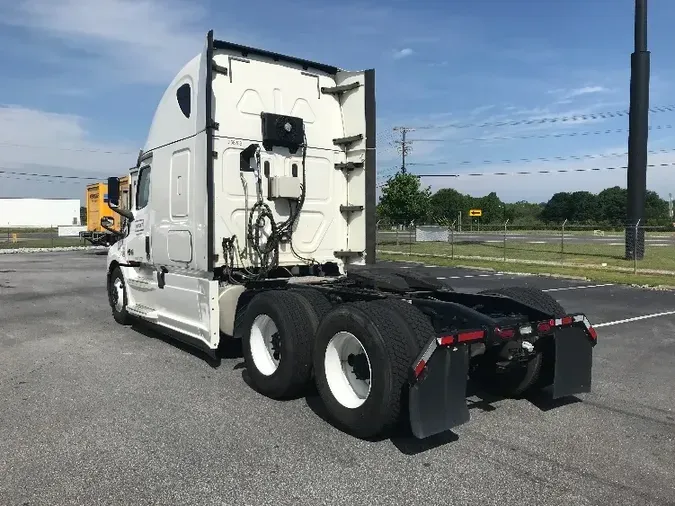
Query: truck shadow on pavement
point(148, 329)
point(401, 438)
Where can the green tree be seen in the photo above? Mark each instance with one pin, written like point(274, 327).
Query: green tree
point(446, 204)
point(558, 208)
point(583, 207)
point(492, 207)
point(403, 200)
point(656, 209)
point(523, 213)
point(612, 205)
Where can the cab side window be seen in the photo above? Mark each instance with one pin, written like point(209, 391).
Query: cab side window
point(143, 188)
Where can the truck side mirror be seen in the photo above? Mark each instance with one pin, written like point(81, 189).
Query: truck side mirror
point(113, 191)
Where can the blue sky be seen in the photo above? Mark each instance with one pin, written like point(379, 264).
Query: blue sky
point(86, 76)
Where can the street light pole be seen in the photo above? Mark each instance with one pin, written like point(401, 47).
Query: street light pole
point(638, 135)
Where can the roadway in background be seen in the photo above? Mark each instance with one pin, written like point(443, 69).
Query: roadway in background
point(96, 413)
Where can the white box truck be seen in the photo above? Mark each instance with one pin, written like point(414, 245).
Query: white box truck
point(252, 219)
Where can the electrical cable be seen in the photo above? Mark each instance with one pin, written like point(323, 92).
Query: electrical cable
point(259, 215)
point(540, 121)
point(539, 136)
point(532, 173)
point(6, 170)
point(541, 159)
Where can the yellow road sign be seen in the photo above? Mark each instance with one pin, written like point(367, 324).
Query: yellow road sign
point(475, 212)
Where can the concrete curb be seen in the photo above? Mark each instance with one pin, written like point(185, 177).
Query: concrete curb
point(49, 250)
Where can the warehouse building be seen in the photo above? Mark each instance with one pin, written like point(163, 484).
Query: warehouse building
point(38, 213)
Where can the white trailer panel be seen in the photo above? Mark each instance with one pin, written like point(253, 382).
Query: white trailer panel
point(42, 213)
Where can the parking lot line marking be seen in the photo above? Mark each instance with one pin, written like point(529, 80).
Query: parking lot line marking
point(634, 319)
point(575, 287)
point(441, 277)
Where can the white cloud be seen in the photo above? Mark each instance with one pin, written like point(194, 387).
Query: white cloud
point(402, 53)
point(565, 96)
point(144, 41)
point(59, 144)
point(586, 90)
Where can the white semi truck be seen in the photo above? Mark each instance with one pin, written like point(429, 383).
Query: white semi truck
point(252, 218)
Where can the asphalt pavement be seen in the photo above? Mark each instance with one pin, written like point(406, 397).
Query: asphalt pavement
point(96, 413)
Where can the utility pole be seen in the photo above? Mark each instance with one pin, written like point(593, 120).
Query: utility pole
point(670, 205)
point(405, 146)
point(638, 136)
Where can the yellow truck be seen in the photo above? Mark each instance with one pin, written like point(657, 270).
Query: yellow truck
point(104, 234)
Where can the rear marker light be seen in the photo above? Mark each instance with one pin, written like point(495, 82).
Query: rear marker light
point(567, 320)
point(470, 336)
point(593, 333)
point(544, 327)
point(446, 340)
point(505, 333)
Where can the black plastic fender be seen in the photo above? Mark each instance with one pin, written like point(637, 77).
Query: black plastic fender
point(573, 362)
point(437, 400)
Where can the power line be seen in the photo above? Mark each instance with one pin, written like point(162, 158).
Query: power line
point(40, 180)
point(539, 136)
point(58, 176)
point(535, 172)
point(552, 171)
point(542, 159)
point(550, 119)
point(60, 148)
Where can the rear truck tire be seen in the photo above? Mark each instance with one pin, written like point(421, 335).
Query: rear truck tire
point(319, 302)
point(277, 330)
point(516, 379)
point(117, 297)
point(362, 355)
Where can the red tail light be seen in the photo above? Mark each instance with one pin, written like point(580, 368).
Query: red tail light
point(446, 340)
point(544, 327)
point(505, 333)
point(465, 337)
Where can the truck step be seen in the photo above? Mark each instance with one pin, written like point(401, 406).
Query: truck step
point(141, 284)
point(350, 209)
point(142, 311)
point(349, 166)
point(347, 254)
point(343, 141)
point(335, 90)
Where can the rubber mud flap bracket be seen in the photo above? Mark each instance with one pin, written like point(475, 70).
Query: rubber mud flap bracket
point(573, 362)
point(437, 402)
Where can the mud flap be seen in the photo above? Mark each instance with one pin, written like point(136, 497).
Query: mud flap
point(437, 402)
point(573, 362)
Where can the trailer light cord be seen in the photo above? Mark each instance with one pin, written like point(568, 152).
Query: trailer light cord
point(259, 214)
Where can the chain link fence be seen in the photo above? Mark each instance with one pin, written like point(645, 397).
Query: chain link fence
point(50, 237)
point(565, 244)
